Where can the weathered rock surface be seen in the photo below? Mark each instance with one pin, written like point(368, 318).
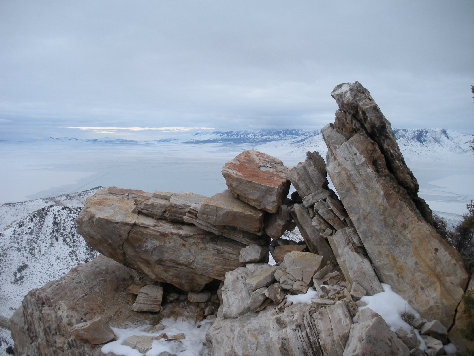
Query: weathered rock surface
point(355, 266)
point(95, 331)
point(49, 319)
point(294, 331)
point(377, 191)
point(279, 252)
point(149, 299)
point(257, 179)
point(254, 254)
point(223, 209)
point(244, 289)
point(374, 337)
point(276, 224)
point(314, 240)
point(302, 265)
point(459, 333)
point(182, 255)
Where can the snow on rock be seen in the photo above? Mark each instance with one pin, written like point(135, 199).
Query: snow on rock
point(390, 306)
point(191, 344)
point(305, 298)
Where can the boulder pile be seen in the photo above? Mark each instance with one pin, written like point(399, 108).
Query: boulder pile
point(196, 257)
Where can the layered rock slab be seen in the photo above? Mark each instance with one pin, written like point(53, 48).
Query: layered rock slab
point(404, 248)
point(179, 254)
point(257, 179)
point(297, 330)
point(56, 319)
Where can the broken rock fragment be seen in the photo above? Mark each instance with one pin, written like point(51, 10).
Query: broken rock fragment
point(149, 299)
point(223, 209)
point(257, 179)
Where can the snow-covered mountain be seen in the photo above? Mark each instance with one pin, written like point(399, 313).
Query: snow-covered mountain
point(38, 238)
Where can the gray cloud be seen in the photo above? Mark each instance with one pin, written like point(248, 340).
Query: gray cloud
point(233, 64)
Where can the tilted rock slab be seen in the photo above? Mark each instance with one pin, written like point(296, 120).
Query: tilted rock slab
point(257, 179)
point(180, 254)
point(223, 209)
point(297, 330)
point(405, 250)
point(54, 319)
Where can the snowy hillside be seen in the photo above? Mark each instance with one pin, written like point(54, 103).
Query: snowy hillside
point(39, 243)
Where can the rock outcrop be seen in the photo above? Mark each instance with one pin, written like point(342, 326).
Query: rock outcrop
point(179, 254)
point(257, 179)
point(61, 317)
point(378, 192)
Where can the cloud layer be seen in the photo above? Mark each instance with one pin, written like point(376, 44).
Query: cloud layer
point(229, 64)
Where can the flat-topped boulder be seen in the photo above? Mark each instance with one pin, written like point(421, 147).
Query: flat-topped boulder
point(257, 179)
point(179, 254)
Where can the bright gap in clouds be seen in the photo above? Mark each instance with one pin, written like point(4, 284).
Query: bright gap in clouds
point(112, 129)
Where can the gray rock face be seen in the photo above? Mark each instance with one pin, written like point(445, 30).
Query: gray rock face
point(49, 321)
point(223, 209)
point(257, 179)
point(374, 337)
point(276, 224)
point(182, 255)
point(405, 250)
point(294, 331)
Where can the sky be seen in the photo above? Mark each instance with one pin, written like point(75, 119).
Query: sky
point(232, 64)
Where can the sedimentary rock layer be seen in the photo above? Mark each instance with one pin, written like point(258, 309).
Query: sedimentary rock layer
point(180, 254)
point(377, 191)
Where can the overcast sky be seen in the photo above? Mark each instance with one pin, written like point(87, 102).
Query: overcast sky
point(233, 64)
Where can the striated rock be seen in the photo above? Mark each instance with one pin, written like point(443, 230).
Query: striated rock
point(294, 331)
point(244, 289)
point(95, 331)
point(314, 240)
point(223, 209)
point(149, 299)
point(257, 179)
point(357, 112)
point(334, 325)
point(355, 266)
point(182, 255)
point(378, 194)
point(254, 254)
point(49, 318)
point(279, 252)
point(459, 333)
point(374, 337)
point(309, 178)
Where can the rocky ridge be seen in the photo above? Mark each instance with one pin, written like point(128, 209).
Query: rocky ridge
point(185, 255)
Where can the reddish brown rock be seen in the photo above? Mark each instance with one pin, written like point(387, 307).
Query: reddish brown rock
point(257, 179)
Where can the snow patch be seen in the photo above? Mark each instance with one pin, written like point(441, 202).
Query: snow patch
point(303, 298)
point(390, 306)
point(192, 344)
